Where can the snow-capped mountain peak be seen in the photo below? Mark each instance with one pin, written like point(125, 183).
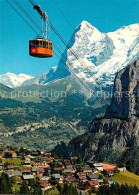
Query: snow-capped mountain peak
point(13, 80)
point(104, 54)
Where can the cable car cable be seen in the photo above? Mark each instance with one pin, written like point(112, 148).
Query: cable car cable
point(22, 17)
point(54, 2)
point(25, 12)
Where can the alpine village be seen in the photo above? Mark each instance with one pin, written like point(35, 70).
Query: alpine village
point(73, 129)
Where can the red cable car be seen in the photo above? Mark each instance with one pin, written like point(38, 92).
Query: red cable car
point(40, 48)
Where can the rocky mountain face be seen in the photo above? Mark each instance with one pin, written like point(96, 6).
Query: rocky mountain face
point(115, 137)
point(125, 100)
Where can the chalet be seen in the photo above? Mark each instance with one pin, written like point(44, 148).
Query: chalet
point(68, 171)
point(29, 158)
point(70, 179)
point(94, 182)
point(100, 181)
point(41, 171)
point(45, 178)
point(70, 167)
point(45, 185)
point(47, 154)
point(58, 177)
point(34, 171)
point(67, 162)
point(27, 178)
point(10, 167)
point(17, 174)
point(58, 168)
point(88, 171)
point(35, 154)
point(26, 168)
point(90, 163)
point(81, 174)
point(82, 179)
point(9, 173)
point(108, 173)
point(27, 164)
point(110, 182)
point(109, 167)
point(39, 177)
point(94, 176)
point(68, 175)
point(40, 164)
point(26, 172)
point(98, 166)
point(122, 169)
point(50, 159)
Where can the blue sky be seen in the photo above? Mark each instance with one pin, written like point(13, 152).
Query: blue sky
point(65, 15)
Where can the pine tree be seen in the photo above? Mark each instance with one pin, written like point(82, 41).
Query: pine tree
point(5, 185)
point(24, 188)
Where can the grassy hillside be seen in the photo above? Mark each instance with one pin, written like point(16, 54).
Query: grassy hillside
point(126, 177)
point(42, 116)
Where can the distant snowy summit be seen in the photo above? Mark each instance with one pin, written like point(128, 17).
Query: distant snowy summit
point(101, 54)
point(13, 80)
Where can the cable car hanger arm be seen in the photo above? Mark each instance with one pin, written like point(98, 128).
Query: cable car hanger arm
point(37, 7)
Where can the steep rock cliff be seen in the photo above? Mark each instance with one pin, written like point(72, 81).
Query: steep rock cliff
point(117, 134)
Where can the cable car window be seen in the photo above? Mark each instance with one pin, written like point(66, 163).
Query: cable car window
point(44, 45)
point(33, 43)
point(40, 43)
point(47, 45)
point(37, 43)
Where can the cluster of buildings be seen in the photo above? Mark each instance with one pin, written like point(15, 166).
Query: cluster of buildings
point(47, 170)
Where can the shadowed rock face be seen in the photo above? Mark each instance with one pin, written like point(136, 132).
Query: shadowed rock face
point(111, 138)
point(125, 100)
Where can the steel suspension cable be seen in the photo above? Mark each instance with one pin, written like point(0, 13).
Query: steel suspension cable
point(26, 13)
point(22, 17)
